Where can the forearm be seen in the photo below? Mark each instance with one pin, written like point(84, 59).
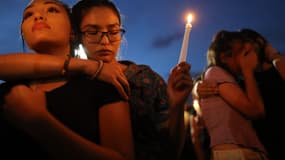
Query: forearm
point(30, 66)
point(196, 132)
point(62, 143)
point(199, 150)
point(253, 96)
point(176, 126)
point(19, 66)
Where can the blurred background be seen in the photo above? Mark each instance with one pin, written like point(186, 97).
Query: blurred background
point(155, 28)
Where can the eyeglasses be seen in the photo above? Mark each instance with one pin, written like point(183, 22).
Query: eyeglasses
point(96, 36)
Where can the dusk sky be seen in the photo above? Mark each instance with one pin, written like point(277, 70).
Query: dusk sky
point(155, 28)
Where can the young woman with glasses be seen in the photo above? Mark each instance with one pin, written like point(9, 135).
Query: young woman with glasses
point(61, 117)
point(157, 110)
point(157, 117)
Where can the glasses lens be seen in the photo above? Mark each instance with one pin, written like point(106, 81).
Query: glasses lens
point(115, 35)
point(96, 36)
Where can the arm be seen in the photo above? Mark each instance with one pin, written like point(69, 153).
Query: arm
point(277, 59)
point(115, 127)
point(179, 88)
point(25, 66)
point(249, 102)
point(30, 66)
point(196, 132)
point(61, 142)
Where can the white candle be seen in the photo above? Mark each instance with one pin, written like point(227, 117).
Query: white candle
point(184, 48)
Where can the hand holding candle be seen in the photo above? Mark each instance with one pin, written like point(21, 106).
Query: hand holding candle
point(184, 49)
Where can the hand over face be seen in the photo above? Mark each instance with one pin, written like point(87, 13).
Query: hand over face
point(248, 59)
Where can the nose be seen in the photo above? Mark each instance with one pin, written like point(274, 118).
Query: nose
point(39, 16)
point(104, 39)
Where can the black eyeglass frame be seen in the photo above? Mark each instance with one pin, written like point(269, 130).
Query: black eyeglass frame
point(108, 33)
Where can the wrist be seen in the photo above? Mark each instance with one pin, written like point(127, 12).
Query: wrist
point(88, 67)
point(247, 72)
point(276, 60)
point(176, 108)
point(98, 70)
point(65, 68)
point(274, 56)
point(78, 66)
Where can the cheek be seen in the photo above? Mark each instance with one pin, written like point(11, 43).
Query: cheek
point(27, 37)
point(89, 47)
point(64, 31)
point(116, 47)
point(24, 31)
point(90, 50)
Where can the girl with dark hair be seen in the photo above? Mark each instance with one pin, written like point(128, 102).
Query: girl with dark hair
point(157, 109)
point(61, 118)
point(227, 115)
point(270, 79)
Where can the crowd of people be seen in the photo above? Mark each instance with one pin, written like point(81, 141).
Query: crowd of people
point(58, 106)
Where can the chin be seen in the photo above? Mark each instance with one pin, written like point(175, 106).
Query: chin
point(105, 59)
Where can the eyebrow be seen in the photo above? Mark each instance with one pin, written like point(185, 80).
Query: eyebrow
point(98, 26)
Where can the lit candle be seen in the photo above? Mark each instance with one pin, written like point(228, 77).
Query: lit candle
point(184, 48)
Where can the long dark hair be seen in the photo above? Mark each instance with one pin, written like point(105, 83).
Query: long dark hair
point(222, 43)
point(256, 38)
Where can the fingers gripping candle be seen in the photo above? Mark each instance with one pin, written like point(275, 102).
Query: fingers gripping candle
point(184, 48)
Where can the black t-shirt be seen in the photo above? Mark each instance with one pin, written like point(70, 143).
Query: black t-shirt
point(75, 104)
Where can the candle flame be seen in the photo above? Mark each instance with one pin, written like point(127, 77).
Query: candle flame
point(189, 18)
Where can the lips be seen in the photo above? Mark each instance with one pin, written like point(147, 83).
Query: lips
point(104, 52)
point(40, 26)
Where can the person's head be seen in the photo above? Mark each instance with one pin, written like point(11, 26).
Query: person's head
point(97, 25)
point(46, 26)
point(224, 49)
point(258, 39)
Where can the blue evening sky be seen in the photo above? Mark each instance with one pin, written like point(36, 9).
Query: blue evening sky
point(155, 28)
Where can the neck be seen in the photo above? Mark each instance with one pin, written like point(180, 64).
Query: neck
point(56, 50)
